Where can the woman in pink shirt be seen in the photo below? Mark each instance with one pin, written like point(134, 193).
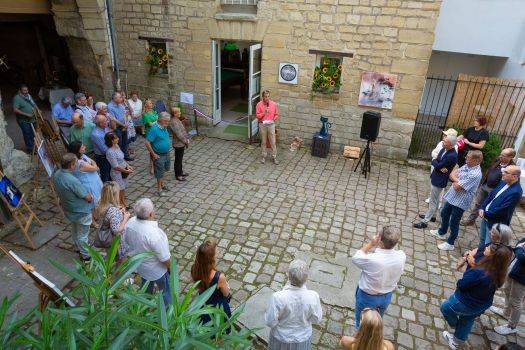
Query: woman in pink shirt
point(267, 113)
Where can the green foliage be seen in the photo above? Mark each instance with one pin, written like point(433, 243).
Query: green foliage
point(113, 314)
point(327, 76)
point(491, 150)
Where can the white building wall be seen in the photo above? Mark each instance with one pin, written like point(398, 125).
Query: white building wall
point(486, 28)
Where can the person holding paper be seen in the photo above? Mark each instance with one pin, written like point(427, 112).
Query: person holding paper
point(267, 113)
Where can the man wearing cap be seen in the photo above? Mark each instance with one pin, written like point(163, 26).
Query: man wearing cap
point(89, 114)
point(442, 167)
point(62, 113)
point(490, 181)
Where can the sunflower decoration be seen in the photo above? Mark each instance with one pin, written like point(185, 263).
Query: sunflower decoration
point(157, 58)
point(327, 76)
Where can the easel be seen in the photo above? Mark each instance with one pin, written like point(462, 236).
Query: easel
point(39, 168)
point(47, 290)
point(23, 220)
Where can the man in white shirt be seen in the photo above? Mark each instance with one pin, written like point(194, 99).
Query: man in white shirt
point(144, 235)
point(292, 311)
point(380, 274)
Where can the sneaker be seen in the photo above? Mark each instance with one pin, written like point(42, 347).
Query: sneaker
point(435, 233)
point(263, 160)
point(445, 246)
point(275, 161)
point(467, 222)
point(161, 193)
point(505, 330)
point(450, 340)
point(427, 200)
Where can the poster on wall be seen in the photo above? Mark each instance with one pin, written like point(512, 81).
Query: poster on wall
point(377, 90)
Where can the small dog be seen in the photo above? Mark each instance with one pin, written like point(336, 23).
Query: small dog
point(296, 144)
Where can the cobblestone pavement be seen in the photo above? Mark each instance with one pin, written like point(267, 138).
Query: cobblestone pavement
point(264, 214)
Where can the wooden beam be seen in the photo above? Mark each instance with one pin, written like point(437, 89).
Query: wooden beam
point(330, 53)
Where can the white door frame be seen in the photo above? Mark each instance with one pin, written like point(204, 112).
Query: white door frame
point(216, 81)
point(254, 90)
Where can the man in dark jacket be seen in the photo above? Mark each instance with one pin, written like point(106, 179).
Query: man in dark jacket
point(501, 202)
point(489, 182)
point(443, 165)
point(514, 291)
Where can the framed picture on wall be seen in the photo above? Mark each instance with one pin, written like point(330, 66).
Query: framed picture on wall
point(377, 90)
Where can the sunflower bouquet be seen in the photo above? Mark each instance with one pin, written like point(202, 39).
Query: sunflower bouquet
point(157, 58)
point(327, 76)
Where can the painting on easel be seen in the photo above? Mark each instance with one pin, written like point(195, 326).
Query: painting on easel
point(46, 159)
point(10, 192)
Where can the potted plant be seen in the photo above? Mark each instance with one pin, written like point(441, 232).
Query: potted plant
point(327, 76)
point(157, 59)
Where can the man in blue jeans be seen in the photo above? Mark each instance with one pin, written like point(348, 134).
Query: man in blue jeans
point(465, 182)
point(23, 107)
point(380, 273)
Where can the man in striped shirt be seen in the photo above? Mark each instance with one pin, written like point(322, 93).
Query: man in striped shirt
point(465, 182)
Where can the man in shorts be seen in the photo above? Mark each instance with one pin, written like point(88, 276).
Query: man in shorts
point(158, 144)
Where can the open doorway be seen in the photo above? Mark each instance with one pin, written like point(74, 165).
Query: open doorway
point(31, 52)
point(236, 87)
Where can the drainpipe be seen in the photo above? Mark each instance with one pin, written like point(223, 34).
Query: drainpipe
point(113, 44)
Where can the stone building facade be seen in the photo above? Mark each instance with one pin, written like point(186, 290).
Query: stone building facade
point(386, 36)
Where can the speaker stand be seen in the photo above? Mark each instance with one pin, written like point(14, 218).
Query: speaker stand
point(366, 166)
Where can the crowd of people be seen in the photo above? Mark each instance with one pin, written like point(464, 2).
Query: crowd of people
point(94, 174)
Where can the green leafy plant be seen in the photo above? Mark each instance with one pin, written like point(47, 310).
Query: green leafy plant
point(327, 76)
point(157, 58)
point(491, 150)
point(113, 314)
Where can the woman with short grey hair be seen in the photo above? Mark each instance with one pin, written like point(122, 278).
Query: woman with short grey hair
point(292, 311)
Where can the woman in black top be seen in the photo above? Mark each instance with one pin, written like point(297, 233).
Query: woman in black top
point(474, 138)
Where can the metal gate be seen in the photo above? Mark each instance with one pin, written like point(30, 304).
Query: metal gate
point(448, 102)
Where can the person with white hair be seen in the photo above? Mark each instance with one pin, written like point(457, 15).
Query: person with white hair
point(292, 311)
point(158, 144)
point(82, 108)
point(443, 165)
point(102, 109)
point(143, 234)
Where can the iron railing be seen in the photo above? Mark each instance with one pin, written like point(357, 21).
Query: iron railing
point(240, 2)
point(451, 102)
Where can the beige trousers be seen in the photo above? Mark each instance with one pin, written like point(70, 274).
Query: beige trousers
point(268, 132)
point(514, 295)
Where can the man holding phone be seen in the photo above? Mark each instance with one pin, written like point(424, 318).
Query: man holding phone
point(267, 113)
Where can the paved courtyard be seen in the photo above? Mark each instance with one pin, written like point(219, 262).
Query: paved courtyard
point(265, 215)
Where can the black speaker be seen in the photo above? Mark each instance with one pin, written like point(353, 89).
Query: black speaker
point(370, 125)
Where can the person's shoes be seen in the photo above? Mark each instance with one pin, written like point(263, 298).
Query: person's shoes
point(85, 259)
point(435, 233)
point(450, 340)
point(161, 193)
point(505, 330)
point(180, 178)
point(185, 174)
point(129, 159)
point(467, 222)
point(420, 225)
point(446, 246)
point(427, 200)
point(422, 216)
point(275, 161)
point(498, 311)
point(263, 160)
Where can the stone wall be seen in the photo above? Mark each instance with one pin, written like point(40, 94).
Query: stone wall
point(388, 36)
point(83, 23)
